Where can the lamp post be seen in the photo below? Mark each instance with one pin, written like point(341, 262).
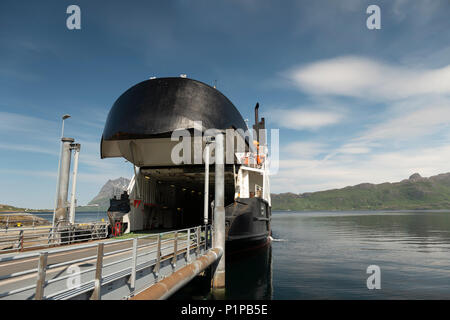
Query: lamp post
point(64, 117)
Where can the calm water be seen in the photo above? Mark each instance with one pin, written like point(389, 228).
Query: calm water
point(80, 217)
point(325, 255)
point(320, 255)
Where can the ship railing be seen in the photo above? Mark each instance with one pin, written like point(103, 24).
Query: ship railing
point(252, 160)
point(28, 238)
point(114, 269)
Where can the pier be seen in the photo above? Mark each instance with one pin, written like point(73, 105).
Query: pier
point(165, 194)
point(153, 266)
point(116, 269)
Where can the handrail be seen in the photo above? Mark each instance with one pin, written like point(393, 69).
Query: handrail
point(18, 239)
point(174, 244)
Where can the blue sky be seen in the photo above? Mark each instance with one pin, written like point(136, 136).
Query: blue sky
point(353, 105)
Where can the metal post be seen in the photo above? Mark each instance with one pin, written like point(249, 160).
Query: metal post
point(63, 182)
point(206, 238)
point(206, 199)
point(64, 117)
point(21, 240)
point(188, 246)
point(219, 212)
point(133, 265)
point(175, 249)
point(96, 295)
point(158, 258)
point(197, 231)
point(40, 284)
point(76, 148)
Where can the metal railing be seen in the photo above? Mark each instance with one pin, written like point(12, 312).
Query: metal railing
point(114, 273)
point(14, 220)
point(19, 239)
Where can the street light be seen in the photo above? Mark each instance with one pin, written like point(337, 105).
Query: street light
point(64, 117)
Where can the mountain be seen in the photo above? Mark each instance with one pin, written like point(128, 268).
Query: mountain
point(110, 188)
point(413, 193)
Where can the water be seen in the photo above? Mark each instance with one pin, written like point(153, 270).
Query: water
point(80, 217)
point(326, 255)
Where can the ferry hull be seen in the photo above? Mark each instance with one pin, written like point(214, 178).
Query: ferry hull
point(247, 223)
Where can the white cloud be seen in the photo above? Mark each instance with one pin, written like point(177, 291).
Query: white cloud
point(21, 123)
point(305, 150)
point(305, 119)
point(410, 121)
point(27, 148)
point(341, 171)
point(362, 77)
point(354, 148)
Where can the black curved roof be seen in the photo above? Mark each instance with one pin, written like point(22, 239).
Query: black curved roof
point(156, 107)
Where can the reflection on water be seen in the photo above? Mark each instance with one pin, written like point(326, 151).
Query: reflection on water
point(325, 255)
point(250, 276)
point(80, 217)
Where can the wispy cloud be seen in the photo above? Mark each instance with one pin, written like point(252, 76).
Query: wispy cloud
point(410, 121)
point(307, 175)
point(305, 119)
point(28, 148)
point(305, 150)
point(362, 77)
point(23, 123)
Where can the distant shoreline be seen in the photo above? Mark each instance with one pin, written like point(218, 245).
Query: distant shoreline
point(362, 210)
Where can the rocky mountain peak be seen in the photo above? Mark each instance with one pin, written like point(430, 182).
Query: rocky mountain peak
point(110, 188)
point(415, 177)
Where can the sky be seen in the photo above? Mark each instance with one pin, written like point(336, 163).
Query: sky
point(352, 105)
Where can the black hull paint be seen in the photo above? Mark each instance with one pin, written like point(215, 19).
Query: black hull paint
point(247, 224)
point(155, 108)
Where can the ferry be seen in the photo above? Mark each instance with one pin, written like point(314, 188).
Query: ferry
point(165, 194)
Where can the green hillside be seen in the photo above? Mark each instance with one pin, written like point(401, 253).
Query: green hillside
point(413, 193)
point(8, 208)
